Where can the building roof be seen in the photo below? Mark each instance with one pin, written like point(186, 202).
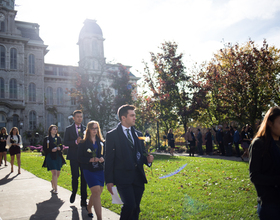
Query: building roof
point(90, 28)
point(29, 33)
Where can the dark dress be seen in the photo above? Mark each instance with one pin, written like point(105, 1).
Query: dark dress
point(14, 149)
point(209, 145)
point(93, 172)
point(171, 141)
point(3, 144)
point(245, 144)
point(264, 167)
point(53, 160)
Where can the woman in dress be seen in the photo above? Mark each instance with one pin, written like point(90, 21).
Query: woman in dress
point(91, 156)
point(54, 159)
point(14, 144)
point(264, 165)
point(171, 141)
point(245, 142)
point(3, 149)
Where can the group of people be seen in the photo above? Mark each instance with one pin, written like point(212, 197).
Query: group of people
point(13, 143)
point(225, 140)
point(118, 161)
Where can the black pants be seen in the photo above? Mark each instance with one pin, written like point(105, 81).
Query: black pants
point(75, 171)
point(192, 149)
point(131, 195)
point(222, 148)
point(237, 149)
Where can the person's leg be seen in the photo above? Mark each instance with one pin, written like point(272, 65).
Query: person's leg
point(12, 163)
point(83, 188)
point(54, 180)
point(74, 165)
point(138, 192)
point(126, 192)
point(237, 149)
point(1, 157)
point(5, 157)
point(19, 162)
point(268, 211)
point(95, 193)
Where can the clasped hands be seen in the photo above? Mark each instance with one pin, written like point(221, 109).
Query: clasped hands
point(56, 149)
point(96, 159)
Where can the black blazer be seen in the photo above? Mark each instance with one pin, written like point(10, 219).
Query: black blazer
point(70, 138)
point(120, 167)
point(84, 156)
point(48, 149)
point(264, 167)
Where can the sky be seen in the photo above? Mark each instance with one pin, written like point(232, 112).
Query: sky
point(134, 28)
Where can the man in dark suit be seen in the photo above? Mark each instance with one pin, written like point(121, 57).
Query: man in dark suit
point(125, 156)
point(73, 136)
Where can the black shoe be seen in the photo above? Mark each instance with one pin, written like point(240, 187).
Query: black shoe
point(83, 203)
point(72, 198)
point(89, 214)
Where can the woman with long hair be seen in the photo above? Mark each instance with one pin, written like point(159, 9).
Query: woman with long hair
point(91, 156)
point(171, 141)
point(14, 144)
point(264, 165)
point(54, 159)
point(3, 149)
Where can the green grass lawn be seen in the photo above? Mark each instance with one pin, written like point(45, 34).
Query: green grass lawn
point(205, 189)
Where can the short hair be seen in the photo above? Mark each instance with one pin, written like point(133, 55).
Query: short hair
point(235, 127)
point(123, 110)
point(198, 129)
point(77, 112)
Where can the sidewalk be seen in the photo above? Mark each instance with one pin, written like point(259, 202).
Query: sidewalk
point(232, 158)
point(25, 196)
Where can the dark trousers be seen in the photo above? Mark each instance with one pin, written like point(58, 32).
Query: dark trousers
point(131, 195)
point(269, 211)
point(229, 149)
point(237, 149)
point(75, 167)
point(192, 149)
point(222, 148)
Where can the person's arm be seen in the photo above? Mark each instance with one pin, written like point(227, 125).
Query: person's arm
point(8, 143)
point(68, 140)
point(110, 161)
point(83, 155)
point(255, 165)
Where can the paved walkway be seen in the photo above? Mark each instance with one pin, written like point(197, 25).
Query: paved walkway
point(26, 196)
point(232, 158)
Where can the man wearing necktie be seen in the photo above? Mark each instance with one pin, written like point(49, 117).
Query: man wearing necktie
point(73, 136)
point(124, 162)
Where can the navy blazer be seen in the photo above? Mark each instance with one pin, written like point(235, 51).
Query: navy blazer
point(70, 138)
point(120, 167)
point(84, 156)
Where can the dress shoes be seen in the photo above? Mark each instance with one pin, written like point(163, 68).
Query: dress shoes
point(72, 197)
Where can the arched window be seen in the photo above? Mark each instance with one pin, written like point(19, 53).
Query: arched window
point(32, 92)
point(49, 96)
point(31, 64)
point(2, 88)
point(2, 57)
point(50, 120)
point(32, 120)
point(60, 122)
point(59, 94)
point(13, 59)
point(13, 89)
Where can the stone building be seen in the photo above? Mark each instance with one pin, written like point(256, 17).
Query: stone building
point(32, 92)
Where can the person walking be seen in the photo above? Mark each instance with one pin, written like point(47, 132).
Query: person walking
point(73, 136)
point(125, 157)
point(54, 159)
point(199, 142)
point(209, 142)
point(219, 138)
point(91, 156)
point(3, 149)
point(236, 140)
point(14, 144)
point(190, 139)
point(264, 165)
point(171, 141)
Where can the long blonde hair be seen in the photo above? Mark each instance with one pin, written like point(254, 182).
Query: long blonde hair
point(89, 126)
point(4, 130)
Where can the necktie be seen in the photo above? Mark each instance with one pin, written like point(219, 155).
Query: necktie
point(129, 138)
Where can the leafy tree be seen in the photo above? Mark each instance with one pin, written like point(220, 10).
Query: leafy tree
point(243, 81)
